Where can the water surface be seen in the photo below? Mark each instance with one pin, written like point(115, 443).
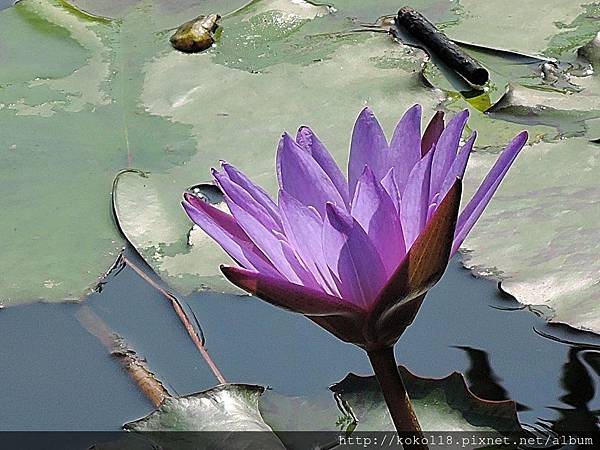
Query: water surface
point(61, 378)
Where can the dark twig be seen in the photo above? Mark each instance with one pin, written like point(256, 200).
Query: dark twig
point(139, 372)
point(415, 24)
point(198, 342)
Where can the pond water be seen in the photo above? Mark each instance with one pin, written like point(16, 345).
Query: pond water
point(51, 361)
point(6, 3)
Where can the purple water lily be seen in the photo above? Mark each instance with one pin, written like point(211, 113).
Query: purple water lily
point(356, 256)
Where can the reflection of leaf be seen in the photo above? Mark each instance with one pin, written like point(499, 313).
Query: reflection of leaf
point(576, 381)
point(441, 404)
point(579, 391)
point(540, 233)
point(483, 382)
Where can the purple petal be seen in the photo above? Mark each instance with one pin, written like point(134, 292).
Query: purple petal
point(269, 244)
point(457, 170)
point(405, 149)
point(367, 149)
point(302, 228)
point(422, 267)
point(227, 233)
point(415, 199)
point(287, 295)
point(309, 141)
point(484, 193)
point(374, 210)
point(446, 150)
point(389, 184)
point(255, 191)
point(246, 201)
point(299, 267)
point(352, 257)
point(302, 178)
point(432, 132)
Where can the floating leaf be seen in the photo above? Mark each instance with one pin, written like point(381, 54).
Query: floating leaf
point(578, 32)
point(504, 24)
point(99, 95)
point(540, 233)
point(444, 404)
point(70, 119)
point(226, 409)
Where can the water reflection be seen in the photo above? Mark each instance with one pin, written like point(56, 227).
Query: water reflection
point(458, 329)
point(480, 377)
point(580, 385)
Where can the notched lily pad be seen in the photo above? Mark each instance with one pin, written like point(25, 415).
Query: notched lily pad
point(182, 254)
point(444, 404)
point(225, 410)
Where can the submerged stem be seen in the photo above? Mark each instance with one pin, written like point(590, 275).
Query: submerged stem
point(395, 395)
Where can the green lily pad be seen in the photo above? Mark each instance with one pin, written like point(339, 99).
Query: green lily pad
point(442, 405)
point(439, 12)
point(575, 33)
point(568, 112)
point(70, 119)
point(505, 24)
point(540, 234)
point(227, 409)
point(99, 95)
point(148, 210)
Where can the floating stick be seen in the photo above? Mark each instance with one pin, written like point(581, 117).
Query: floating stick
point(416, 25)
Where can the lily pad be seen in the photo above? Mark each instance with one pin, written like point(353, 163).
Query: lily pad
point(444, 404)
point(227, 409)
point(504, 24)
point(99, 95)
point(540, 234)
point(69, 80)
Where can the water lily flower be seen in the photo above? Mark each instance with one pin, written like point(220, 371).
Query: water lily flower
point(356, 256)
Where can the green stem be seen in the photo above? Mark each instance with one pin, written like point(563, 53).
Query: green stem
point(395, 395)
